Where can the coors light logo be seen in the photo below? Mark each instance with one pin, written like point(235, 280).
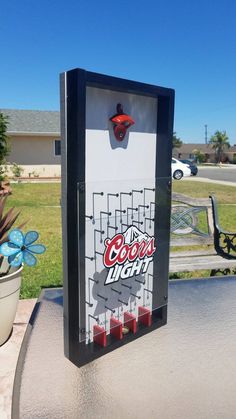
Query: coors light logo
point(128, 254)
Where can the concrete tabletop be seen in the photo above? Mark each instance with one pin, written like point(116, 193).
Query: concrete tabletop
point(186, 369)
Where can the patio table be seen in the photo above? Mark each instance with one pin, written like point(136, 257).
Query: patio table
point(186, 369)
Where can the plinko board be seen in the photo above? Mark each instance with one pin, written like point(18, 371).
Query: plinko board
point(116, 191)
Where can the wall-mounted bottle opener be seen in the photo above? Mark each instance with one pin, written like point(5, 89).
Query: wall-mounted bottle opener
point(121, 122)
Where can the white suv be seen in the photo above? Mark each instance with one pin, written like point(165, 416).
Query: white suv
point(179, 169)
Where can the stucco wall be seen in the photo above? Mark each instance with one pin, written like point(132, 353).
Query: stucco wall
point(35, 154)
point(29, 150)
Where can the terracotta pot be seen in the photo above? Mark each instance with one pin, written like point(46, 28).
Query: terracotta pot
point(9, 297)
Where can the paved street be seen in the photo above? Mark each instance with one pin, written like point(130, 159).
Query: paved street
point(227, 174)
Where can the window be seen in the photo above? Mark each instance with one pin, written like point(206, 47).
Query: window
point(57, 147)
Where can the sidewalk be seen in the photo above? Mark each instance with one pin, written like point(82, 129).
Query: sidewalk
point(9, 354)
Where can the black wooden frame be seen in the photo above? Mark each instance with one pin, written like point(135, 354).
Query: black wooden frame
point(73, 116)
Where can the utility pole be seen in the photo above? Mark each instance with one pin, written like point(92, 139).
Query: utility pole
point(205, 134)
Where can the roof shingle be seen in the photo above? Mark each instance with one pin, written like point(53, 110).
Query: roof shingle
point(27, 121)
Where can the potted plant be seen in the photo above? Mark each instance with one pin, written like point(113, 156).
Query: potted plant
point(15, 250)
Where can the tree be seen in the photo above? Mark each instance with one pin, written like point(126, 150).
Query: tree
point(176, 142)
point(219, 142)
point(4, 139)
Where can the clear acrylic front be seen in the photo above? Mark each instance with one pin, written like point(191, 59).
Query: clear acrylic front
point(120, 249)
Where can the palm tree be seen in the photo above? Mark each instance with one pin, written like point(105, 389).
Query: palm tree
point(219, 142)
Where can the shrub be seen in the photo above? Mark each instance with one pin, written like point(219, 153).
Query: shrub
point(3, 173)
point(199, 156)
point(4, 138)
point(17, 170)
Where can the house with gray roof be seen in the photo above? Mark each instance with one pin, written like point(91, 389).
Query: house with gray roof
point(36, 144)
point(188, 151)
point(35, 141)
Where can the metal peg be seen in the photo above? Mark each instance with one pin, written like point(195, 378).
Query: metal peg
point(93, 317)
point(123, 302)
point(118, 292)
point(126, 286)
point(136, 296)
point(101, 296)
point(140, 282)
point(94, 280)
point(111, 309)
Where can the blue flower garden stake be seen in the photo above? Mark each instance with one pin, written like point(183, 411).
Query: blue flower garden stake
point(20, 248)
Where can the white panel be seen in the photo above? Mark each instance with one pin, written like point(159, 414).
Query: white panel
point(104, 163)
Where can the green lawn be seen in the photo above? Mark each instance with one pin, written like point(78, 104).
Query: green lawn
point(226, 199)
point(40, 207)
point(225, 195)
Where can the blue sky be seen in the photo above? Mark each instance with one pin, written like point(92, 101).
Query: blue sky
point(189, 46)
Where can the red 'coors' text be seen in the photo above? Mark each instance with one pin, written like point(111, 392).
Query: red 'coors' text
point(118, 252)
